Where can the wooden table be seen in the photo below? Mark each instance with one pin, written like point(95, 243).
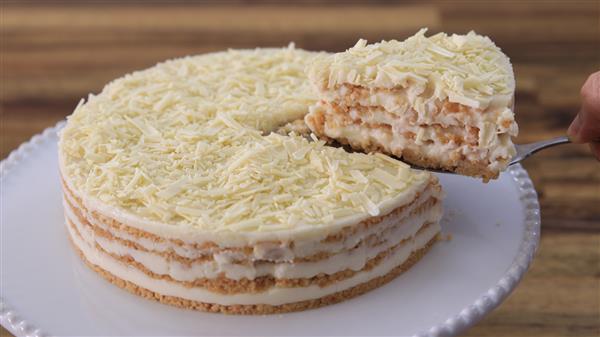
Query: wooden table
point(54, 54)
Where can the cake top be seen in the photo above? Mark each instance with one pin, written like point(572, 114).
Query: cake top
point(187, 143)
point(467, 69)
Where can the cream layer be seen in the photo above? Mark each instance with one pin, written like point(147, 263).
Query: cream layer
point(272, 296)
point(396, 230)
point(401, 103)
point(269, 251)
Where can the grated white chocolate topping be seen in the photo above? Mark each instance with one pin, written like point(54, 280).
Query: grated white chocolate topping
point(186, 145)
point(467, 69)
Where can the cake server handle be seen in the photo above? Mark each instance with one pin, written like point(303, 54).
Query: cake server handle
point(526, 150)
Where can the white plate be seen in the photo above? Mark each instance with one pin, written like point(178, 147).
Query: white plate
point(46, 289)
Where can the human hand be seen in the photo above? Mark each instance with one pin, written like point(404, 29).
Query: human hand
point(585, 128)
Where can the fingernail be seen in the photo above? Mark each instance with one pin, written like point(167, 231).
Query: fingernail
point(574, 128)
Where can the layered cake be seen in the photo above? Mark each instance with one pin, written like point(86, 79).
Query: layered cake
point(442, 102)
point(176, 189)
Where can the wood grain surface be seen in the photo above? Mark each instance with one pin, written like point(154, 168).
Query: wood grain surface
point(54, 53)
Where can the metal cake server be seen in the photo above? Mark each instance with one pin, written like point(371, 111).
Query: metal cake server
point(526, 150)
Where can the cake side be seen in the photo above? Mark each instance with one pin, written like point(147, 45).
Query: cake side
point(267, 276)
point(440, 101)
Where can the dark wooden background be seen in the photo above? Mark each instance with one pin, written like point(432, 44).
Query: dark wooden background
point(54, 53)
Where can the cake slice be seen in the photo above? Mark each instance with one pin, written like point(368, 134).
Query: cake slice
point(442, 102)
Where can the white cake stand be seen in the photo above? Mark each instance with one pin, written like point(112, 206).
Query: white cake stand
point(46, 289)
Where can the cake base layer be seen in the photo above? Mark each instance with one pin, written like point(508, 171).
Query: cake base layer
point(259, 309)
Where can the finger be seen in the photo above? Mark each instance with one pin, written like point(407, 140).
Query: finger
point(589, 123)
point(586, 126)
point(595, 147)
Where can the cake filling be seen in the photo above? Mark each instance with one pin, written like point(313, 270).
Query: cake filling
point(390, 233)
point(435, 145)
point(272, 296)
